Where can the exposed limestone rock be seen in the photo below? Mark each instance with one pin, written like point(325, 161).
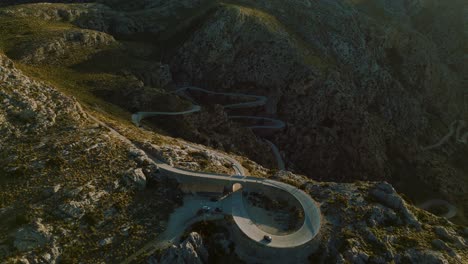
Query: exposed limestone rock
point(72, 209)
point(385, 194)
point(65, 44)
point(26, 112)
point(443, 233)
point(421, 256)
point(51, 190)
point(191, 251)
point(57, 164)
point(32, 236)
point(135, 178)
point(157, 75)
point(354, 255)
point(370, 223)
point(106, 241)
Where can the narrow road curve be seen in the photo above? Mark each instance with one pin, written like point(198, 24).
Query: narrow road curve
point(277, 154)
point(312, 216)
point(458, 136)
point(306, 233)
point(137, 117)
point(451, 210)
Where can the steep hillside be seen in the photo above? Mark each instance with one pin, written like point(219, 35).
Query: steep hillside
point(63, 177)
point(364, 86)
point(369, 91)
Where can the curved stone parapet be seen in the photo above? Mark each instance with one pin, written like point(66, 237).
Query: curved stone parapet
point(312, 216)
point(451, 209)
point(308, 230)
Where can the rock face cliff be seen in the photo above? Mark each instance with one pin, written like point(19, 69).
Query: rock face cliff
point(364, 86)
point(353, 86)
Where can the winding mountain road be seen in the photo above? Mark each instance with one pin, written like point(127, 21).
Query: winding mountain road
point(137, 117)
point(276, 152)
point(306, 233)
point(454, 130)
point(312, 217)
point(257, 101)
point(451, 210)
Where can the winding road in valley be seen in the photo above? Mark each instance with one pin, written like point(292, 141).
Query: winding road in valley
point(451, 210)
point(455, 130)
point(234, 204)
point(256, 101)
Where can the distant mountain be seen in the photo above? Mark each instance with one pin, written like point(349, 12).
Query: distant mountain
point(20, 2)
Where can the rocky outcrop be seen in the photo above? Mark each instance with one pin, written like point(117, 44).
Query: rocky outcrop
point(110, 19)
point(371, 223)
point(190, 251)
point(135, 178)
point(93, 16)
point(30, 106)
point(32, 236)
point(421, 256)
point(59, 165)
point(155, 75)
point(67, 43)
point(385, 194)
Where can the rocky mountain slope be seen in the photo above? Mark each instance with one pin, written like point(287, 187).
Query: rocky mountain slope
point(67, 186)
point(364, 87)
point(363, 223)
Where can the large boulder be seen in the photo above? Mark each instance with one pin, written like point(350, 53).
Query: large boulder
point(191, 251)
point(386, 194)
point(72, 209)
point(421, 256)
point(32, 236)
point(135, 178)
